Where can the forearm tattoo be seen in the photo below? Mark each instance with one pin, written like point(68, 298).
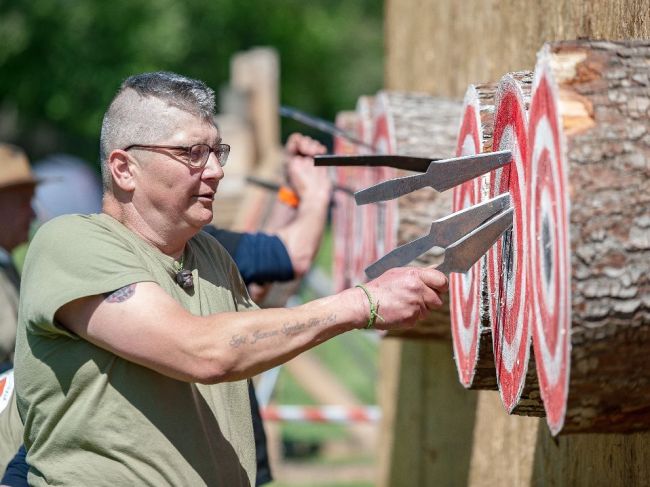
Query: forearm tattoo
point(120, 295)
point(287, 329)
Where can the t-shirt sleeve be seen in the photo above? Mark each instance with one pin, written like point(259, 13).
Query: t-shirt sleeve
point(72, 257)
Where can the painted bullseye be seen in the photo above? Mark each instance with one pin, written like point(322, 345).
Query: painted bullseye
point(549, 256)
point(510, 308)
point(465, 288)
point(384, 142)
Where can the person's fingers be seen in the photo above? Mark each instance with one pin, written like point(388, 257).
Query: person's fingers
point(431, 299)
point(299, 144)
point(434, 278)
point(291, 145)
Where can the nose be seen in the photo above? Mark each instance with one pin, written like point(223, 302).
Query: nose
point(213, 169)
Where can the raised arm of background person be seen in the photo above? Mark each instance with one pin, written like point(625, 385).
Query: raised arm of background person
point(143, 324)
point(302, 235)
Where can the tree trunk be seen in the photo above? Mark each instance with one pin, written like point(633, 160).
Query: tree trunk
point(589, 234)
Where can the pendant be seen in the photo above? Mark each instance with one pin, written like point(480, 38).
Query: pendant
point(184, 278)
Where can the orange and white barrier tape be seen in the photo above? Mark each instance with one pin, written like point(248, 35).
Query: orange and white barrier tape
point(323, 414)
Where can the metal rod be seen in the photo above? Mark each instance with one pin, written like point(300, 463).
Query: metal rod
point(270, 185)
point(322, 125)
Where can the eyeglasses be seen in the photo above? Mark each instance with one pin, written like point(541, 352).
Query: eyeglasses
point(196, 156)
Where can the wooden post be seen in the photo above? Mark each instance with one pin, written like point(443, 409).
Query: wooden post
point(257, 73)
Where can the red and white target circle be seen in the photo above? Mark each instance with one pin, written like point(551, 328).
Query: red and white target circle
point(365, 216)
point(549, 264)
point(342, 213)
point(464, 289)
point(509, 305)
point(384, 142)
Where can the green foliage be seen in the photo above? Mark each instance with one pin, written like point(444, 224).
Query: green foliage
point(62, 60)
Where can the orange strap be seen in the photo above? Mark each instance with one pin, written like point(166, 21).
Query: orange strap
point(288, 196)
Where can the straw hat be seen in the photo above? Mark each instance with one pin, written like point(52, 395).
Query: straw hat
point(14, 167)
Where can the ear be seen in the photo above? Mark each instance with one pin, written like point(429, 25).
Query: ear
point(122, 169)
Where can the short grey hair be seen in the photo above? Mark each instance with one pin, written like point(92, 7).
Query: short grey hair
point(131, 118)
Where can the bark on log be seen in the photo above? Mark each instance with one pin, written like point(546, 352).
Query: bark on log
point(470, 324)
point(508, 305)
point(423, 126)
point(589, 234)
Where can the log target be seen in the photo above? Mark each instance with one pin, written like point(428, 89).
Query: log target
point(383, 139)
point(471, 338)
point(589, 234)
point(344, 207)
point(423, 126)
point(548, 249)
point(464, 288)
point(510, 307)
point(365, 225)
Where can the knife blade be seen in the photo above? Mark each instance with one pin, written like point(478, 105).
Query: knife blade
point(443, 233)
point(464, 253)
point(440, 175)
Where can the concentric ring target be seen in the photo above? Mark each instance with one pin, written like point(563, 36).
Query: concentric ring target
point(384, 143)
point(464, 289)
point(343, 211)
point(365, 217)
point(549, 265)
point(509, 306)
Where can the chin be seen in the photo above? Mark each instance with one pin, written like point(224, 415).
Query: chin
point(202, 219)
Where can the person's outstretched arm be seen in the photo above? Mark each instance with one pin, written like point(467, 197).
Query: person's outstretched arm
point(145, 325)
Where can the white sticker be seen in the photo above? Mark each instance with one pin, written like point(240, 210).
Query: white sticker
point(6, 388)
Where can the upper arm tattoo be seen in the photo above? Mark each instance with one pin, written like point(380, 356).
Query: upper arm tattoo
point(121, 294)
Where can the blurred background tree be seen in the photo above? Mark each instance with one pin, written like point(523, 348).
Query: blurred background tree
point(61, 61)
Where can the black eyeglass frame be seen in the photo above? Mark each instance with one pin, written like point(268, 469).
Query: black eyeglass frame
point(221, 151)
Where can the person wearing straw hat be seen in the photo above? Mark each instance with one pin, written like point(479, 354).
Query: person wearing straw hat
point(17, 184)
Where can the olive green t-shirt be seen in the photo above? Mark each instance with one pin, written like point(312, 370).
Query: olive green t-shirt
point(93, 418)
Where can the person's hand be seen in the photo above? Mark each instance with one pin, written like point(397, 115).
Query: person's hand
point(307, 180)
point(405, 295)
